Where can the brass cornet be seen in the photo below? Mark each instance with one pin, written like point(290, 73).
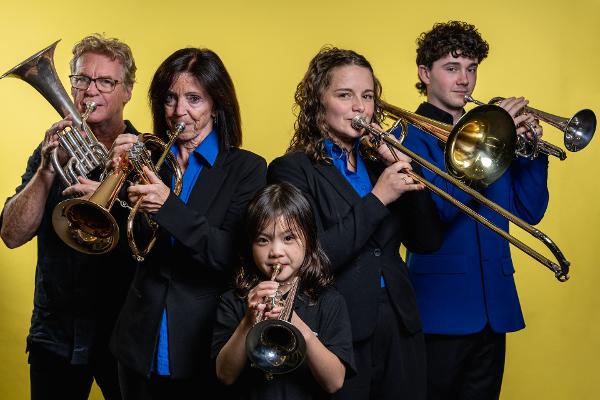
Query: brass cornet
point(85, 152)
point(578, 131)
point(473, 128)
point(88, 226)
point(275, 345)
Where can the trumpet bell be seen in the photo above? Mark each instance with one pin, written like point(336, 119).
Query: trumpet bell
point(481, 146)
point(580, 130)
point(275, 346)
point(85, 226)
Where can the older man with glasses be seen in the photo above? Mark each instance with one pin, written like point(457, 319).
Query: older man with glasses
point(77, 296)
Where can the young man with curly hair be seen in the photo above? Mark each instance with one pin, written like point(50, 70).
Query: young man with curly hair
point(465, 291)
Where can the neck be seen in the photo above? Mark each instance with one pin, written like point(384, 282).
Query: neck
point(107, 131)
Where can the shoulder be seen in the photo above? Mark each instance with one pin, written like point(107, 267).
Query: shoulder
point(235, 156)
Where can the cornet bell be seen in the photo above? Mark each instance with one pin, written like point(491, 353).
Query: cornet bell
point(85, 226)
point(580, 130)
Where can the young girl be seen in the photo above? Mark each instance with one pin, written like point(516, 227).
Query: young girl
point(282, 232)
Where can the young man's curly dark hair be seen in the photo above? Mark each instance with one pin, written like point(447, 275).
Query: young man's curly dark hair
point(455, 37)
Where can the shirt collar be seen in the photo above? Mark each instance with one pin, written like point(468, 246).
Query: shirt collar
point(430, 111)
point(335, 150)
point(207, 150)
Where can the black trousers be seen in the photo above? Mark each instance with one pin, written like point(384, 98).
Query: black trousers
point(390, 364)
point(53, 377)
point(135, 386)
point(465, 367)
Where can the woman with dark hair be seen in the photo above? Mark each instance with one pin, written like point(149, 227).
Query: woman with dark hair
point(281, 231)
point(364, 211)
point(163, 336)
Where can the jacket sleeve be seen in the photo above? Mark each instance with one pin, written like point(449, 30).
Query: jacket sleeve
point(214, 246)
point(529, 191)
point(343, 238)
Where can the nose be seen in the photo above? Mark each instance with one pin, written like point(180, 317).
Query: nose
point(92, 90)
point(180, 108)
point(276, 250)
point(463, 78)
point(358, 106)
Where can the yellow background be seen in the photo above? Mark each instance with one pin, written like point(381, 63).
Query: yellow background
point(545, 50)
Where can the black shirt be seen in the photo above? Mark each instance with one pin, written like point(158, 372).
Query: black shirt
point(327, 317)
point(77, 296)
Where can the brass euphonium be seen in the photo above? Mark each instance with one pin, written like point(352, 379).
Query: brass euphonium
point(85, 152)
point(475, 130)
point(275, 345)
point(578, 131)
point(89, 227)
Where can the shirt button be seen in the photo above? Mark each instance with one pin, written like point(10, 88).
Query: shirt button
point(377, 252)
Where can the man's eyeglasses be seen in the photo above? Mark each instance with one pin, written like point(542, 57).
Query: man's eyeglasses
point(104, 85)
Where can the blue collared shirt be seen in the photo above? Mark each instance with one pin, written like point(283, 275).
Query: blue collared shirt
point(204, 155)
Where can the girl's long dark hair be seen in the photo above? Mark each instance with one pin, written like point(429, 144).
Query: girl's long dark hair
point(286, 201)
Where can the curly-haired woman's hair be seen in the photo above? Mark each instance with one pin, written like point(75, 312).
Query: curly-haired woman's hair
point(453, 37)
point(310, 127)
point(109, 47)
point(285, 201)
point(208, 69)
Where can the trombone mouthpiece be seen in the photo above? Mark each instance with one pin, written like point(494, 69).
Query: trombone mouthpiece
point(358, 122)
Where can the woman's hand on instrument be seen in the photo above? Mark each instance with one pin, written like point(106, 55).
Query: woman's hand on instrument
point(394, 181)
point(118, 150)
point(51, 142)
point(84, 189)
point(257, 300)
point(153, 194)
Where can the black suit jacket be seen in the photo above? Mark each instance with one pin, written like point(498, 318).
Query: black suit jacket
point(188, 277)
point(362, 237)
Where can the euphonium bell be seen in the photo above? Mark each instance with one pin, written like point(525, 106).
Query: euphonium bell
point(275, 345)
point(85, 152)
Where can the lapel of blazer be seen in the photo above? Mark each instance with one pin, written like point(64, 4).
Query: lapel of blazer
point(339, 183)
point(209, 184)
point(346, 191)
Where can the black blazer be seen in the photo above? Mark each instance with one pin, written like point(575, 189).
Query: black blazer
point(362, 237)
point(188, 277)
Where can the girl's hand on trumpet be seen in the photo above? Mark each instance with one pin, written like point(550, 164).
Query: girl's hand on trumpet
point(394, 182)
point(259, 299)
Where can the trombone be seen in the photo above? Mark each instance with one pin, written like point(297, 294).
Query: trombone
point(474, 124)
point(578, 131)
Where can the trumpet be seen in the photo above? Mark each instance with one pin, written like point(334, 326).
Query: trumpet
point(275, 345)
point(578, 131)
point(88, 226)
point(85, 152)
point(472, 119)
